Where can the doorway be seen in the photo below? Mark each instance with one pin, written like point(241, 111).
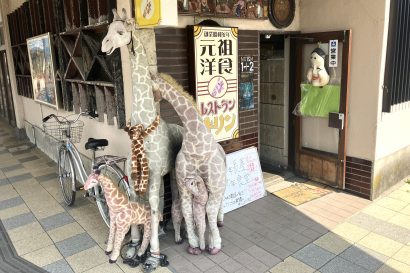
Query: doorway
point(317, 133)
point(273, 121)
point(310, 145)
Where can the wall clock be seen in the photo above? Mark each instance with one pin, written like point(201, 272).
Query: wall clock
point(281, 12)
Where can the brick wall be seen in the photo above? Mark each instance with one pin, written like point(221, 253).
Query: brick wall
point(358, 176)
point(172, 55)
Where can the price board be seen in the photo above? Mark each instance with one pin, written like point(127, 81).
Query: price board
point(244, 179)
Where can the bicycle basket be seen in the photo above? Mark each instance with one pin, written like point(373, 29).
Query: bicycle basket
point(59, 130)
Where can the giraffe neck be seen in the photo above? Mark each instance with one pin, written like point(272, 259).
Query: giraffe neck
point(186, 110)
point(115, 199)
point(143, 105)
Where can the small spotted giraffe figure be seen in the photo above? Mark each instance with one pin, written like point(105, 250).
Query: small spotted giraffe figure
point(198, 190)
point(139, 161)
point(123, 214)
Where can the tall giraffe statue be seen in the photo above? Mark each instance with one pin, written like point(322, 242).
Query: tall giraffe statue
point(123, 213)
point(200, 155)
point(160, 145)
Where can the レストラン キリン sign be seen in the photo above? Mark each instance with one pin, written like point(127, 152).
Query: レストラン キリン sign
point(216, 79)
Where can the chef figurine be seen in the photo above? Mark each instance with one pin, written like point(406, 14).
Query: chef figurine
point(317, 74)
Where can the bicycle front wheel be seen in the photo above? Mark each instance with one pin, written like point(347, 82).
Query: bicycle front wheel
point(118, 178)
point(66, 175)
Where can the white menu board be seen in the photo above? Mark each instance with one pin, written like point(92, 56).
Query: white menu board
point(244, 179)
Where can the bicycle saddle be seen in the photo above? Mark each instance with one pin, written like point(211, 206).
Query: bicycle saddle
point(94, 144)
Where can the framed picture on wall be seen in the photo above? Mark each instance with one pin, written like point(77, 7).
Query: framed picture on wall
point(40, 53)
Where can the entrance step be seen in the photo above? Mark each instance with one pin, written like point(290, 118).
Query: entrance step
point(276, 182)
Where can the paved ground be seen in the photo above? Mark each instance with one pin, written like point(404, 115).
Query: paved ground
point(336, 233)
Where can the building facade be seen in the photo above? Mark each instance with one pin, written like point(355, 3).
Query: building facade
point(366, 155)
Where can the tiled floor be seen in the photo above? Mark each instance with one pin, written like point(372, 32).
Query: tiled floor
point(336, 233)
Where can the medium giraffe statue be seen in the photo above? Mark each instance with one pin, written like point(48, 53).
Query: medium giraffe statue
point(123, 214)
point(200, 155)
point(199, 191)
point(161, 145)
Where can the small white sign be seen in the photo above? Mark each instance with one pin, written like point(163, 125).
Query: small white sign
point(333, 47)
point(244, 179)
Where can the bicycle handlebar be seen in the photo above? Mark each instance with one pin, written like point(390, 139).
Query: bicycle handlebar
point(85, 113)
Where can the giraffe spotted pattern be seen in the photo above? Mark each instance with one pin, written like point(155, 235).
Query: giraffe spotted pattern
point(139, 160)
point(123, 214)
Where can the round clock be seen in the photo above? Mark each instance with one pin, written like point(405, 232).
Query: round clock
point(281, 12)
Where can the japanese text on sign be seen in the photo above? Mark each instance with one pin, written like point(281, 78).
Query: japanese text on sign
point(247, 64)
point(216, 72)
point(333, 44)
point(244, 180)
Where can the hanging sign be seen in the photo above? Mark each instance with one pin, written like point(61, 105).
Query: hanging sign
point(333, 46)
point(246, 84)
point(244, 179)
point(216, 79)
point(148, 13)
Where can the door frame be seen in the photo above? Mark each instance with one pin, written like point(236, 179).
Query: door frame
point(295, 78)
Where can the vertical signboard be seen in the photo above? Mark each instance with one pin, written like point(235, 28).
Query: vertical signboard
point(333, 46)
point(216, 79)
point(147, 12)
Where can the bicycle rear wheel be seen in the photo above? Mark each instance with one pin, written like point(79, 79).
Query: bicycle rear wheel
point(66, 175)
point(118, 178)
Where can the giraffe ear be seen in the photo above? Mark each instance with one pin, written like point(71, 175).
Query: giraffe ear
point(129, 24)
point(116, 16)
point(157, 95)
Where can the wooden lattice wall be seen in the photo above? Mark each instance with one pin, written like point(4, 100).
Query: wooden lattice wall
point(86, 78)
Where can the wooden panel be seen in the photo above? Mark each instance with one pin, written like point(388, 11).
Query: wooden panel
point(329, 171)
point(59, 15)
point(119, 88)
point(110, 105)
point(92, 11)
point(304, 164)
point(76, 97)
point(100, 100)
point(82, 90)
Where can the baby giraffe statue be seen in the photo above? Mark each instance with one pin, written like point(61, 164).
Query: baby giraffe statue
point(123, 214)
point(197, 188)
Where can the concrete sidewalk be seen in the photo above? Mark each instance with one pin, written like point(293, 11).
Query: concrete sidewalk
point(336, 233)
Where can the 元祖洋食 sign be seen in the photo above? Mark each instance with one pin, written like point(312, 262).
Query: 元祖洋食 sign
point(216, 79)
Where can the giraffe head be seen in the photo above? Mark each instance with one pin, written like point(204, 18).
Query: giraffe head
point(92, 180)
point(119, 32)
point(192, 184)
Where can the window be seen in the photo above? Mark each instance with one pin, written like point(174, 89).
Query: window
point(396, 89)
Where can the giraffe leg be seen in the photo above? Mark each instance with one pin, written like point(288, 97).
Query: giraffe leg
point(155, 182)
point(176, 208)
point(210, 240)
point(135, 232)
point(110, 241)
point(182, 167)
point(212, 208)
point(145, 239)
point(177, 220)
point(199, 216)
point(122, 229)
point(220, 221)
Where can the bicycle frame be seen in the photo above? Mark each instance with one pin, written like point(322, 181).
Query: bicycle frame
point(79, 165)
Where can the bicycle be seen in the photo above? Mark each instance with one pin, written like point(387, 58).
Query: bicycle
point(71, 167)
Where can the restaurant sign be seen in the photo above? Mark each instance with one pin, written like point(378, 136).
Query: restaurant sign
point(216, 79)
